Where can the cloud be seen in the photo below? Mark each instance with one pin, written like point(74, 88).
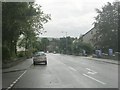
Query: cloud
point(72, 16)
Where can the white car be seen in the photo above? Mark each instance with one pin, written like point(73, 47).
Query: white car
point(39, 57)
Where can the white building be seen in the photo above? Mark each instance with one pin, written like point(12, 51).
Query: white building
point(88, 37)
point(20, 48)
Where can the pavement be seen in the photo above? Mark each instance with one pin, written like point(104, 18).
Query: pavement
point(104, 60)
point(10, 74)
point(62, 71)
point(21, 66)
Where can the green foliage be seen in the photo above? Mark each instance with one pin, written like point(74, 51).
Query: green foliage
point(79, 46)
point(87, 47)
point(53, 45)
point(5, 53)
point(107, 27)
point(65, 45)
point(62, 45)
point(21, 54)
point(44, 44)
point(74, 46)
point(37, 46)
point(119, 27)
point(21, 18)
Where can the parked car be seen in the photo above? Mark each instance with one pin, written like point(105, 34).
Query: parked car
point(39, 57)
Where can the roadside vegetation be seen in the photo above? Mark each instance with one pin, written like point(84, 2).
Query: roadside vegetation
point(23, 22)
point(21, 18)
point(108, 27)
point(69, 45)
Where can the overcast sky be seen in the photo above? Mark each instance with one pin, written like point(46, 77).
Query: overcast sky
point(72, 16)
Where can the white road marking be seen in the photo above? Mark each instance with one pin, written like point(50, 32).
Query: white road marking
point(72, 68)
point(11, 85)
point(88, 69)
point(94, 79)
point(91, 71)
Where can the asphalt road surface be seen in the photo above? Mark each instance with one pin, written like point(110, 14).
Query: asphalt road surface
point(64, 71)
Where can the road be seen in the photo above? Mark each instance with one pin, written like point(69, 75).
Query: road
point(64, 71)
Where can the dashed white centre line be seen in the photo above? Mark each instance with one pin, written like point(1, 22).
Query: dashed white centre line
point(11, 85)
point(72, 68)
point(94, 79)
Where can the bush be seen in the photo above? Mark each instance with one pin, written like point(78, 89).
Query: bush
point(5, 53)
point(78, 48)
point(21, 54)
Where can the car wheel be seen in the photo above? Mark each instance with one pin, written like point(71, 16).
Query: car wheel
point(45, 62)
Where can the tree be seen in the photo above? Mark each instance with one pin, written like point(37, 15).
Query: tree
point(28, 42)
point(79, 46)
point(65, 45)
point(62, 45)
point(20, 18)
point(106, 24)
point(53, 45)
point(118, 26)
point(69, 42)
point(11, 25)
point(44, 44)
